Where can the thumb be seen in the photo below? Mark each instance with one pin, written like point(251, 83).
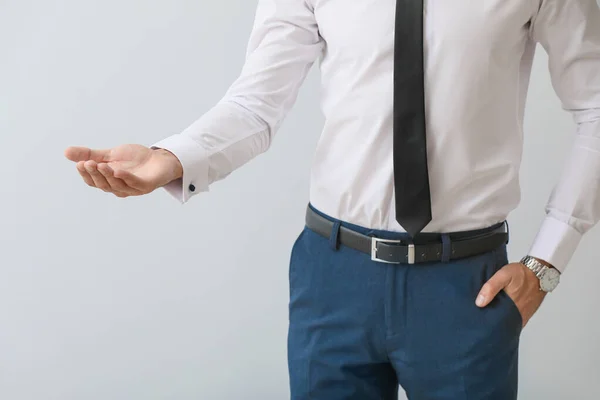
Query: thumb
point(76, 154)
point(488, 292)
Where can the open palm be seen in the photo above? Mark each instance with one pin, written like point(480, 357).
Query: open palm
point(126, 170)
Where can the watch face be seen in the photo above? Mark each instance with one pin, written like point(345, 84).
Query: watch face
point(550, 280)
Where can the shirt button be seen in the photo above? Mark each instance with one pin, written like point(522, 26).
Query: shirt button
point(192, 187)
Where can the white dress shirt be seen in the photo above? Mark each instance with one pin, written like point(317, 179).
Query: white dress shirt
point(478, 59)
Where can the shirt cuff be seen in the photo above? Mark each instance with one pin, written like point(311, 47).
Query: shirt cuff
point(193, 159)
point(555, 243)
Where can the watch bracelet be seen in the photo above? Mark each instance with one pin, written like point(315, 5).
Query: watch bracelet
point(534, 265)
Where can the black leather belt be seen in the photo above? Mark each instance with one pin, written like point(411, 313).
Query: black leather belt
point(461, 244)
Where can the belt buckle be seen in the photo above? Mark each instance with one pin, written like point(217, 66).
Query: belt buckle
point(375, 241)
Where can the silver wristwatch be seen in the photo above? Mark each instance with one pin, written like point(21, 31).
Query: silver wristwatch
point(549, 277)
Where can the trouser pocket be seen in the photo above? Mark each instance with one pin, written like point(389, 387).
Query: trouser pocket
point(444, 345)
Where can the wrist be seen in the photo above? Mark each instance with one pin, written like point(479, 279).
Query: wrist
point(548, 276)
point(546, 263)
point(173, 168)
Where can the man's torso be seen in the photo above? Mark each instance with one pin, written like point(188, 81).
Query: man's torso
point(478, 57)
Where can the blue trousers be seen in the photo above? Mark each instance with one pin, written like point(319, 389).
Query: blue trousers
point(359, 329)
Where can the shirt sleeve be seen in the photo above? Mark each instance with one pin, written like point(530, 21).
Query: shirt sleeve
point(283, 46)
point(569, 31)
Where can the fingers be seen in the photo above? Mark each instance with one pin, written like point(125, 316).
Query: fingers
point(101, 176)
point(118, 186)
point(75, 153)
point(100, 181)
point(488, 292)
point(84, 174)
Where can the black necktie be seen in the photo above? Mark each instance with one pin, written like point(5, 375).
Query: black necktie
point(411, 177)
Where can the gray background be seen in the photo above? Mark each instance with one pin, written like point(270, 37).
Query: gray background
point(103, 298)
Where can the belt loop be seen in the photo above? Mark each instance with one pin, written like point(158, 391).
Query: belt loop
point(334, 237)
point(446, 247)
point(507, 231)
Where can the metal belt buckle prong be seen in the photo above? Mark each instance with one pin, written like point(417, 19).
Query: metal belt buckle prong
point(375, 241)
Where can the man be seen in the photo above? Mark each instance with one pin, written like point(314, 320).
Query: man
point(400, 276)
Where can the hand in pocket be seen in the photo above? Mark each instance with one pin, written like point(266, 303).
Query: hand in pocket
point(520, 284)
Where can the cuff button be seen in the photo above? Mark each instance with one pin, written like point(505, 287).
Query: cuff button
point(192, 188)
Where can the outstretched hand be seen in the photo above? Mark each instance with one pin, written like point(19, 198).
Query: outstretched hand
point(126, 170)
